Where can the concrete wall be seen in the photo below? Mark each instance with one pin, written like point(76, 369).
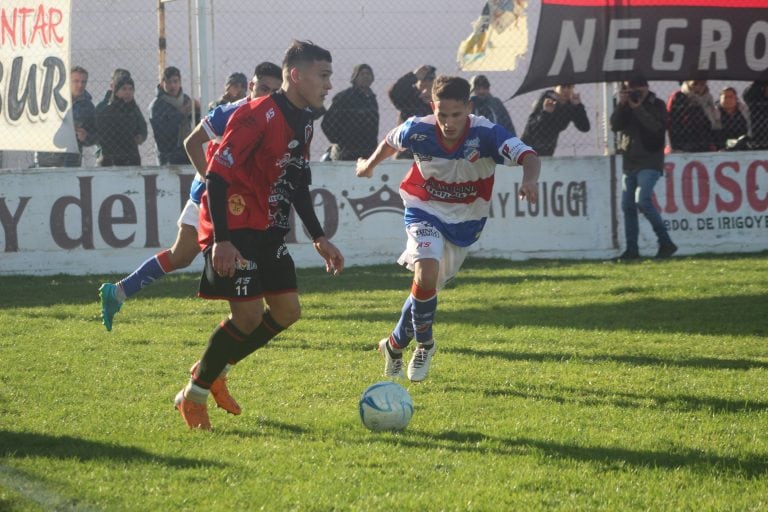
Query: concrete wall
point(96, 221)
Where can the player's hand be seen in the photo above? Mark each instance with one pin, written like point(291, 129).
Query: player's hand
point(225, 258)
point(529, 190)
point(362, 169)
point(334, 260)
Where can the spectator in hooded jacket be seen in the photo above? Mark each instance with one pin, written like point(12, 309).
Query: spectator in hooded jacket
point(171, 116)
point(352, 121)
point(694, 121)
point(552, 113)
point(121, 126)
point(488, 105)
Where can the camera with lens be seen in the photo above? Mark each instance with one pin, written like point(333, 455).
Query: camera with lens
point(635, 95)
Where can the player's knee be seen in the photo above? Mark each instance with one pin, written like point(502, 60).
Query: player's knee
point(286, 314)
point(183, 259)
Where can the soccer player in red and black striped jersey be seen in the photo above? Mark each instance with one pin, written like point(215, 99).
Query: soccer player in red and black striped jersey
point(260, 169)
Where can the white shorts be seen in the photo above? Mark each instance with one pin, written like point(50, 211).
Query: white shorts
point(426, 242)
point(190, 215)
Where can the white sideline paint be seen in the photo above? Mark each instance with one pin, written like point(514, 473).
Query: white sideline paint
point(16, 481)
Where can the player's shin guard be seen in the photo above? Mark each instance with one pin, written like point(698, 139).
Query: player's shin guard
point(154, 268)
point(423, 312)
point(222, 348)
point(260, 336)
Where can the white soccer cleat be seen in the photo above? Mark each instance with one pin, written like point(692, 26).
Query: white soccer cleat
point(418, 367)
point(393, 366)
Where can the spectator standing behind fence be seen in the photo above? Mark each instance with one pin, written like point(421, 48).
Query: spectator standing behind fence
point(735, 119)
point(121, 126)
point(235, 88)
point(694, 121)
point(552, 113)
point(411, 95)
point(170, 114)
point(488, 105)
point(116, 75)
point(352, 121)
point(641, 120)
point(84, 118)
point(756, 98)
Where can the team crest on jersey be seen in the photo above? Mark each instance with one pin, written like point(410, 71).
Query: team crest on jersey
point(224, 157)
point(236, 204)
point(472, 155)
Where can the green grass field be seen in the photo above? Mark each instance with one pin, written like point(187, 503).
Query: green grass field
point(557, 385)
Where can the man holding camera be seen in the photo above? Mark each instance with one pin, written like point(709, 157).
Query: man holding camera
point(641, 120)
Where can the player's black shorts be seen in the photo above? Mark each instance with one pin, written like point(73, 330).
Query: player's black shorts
point(269, 269)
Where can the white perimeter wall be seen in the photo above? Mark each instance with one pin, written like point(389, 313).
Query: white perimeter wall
point(98, 221)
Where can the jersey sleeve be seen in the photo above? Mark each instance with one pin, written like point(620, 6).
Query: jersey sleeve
point(398, 137)
point(242, 135)
point(509, 149)
point(215, 122)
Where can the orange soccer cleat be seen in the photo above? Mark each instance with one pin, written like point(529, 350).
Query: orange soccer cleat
point(221, 394)
point(195, 415)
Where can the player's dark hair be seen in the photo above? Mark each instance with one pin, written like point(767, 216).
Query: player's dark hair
point(170, 72)
point(79, 69)
point(450, 88)
point(268, 69)
point(304, 52)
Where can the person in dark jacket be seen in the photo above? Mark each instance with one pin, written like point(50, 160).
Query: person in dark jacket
point(735, 119)
point(411, 95)
point(694, 121)
point(756, 98)
point(552, 113)
point(641, 120)
point(84, 117)
point(119, 128)
point(170, 115)
point(487, 105)
point(352, 121)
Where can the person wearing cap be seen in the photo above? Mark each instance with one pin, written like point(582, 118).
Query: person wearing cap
point(235, 89)
point(121, 127)
point(352, 121)
point(411, 95)
point(552, 113)
point(640, 118)
point(488, 105)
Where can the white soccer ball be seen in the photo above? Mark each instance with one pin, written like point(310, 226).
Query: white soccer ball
point(386, 405)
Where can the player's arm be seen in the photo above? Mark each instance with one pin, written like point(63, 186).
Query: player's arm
point(529, 188)
point(193, 145)
point(365, 166)
point(302, 203)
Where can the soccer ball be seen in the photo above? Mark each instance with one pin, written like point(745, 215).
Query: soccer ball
point(386, 405)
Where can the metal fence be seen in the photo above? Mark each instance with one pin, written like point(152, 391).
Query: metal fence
point(393, 37)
